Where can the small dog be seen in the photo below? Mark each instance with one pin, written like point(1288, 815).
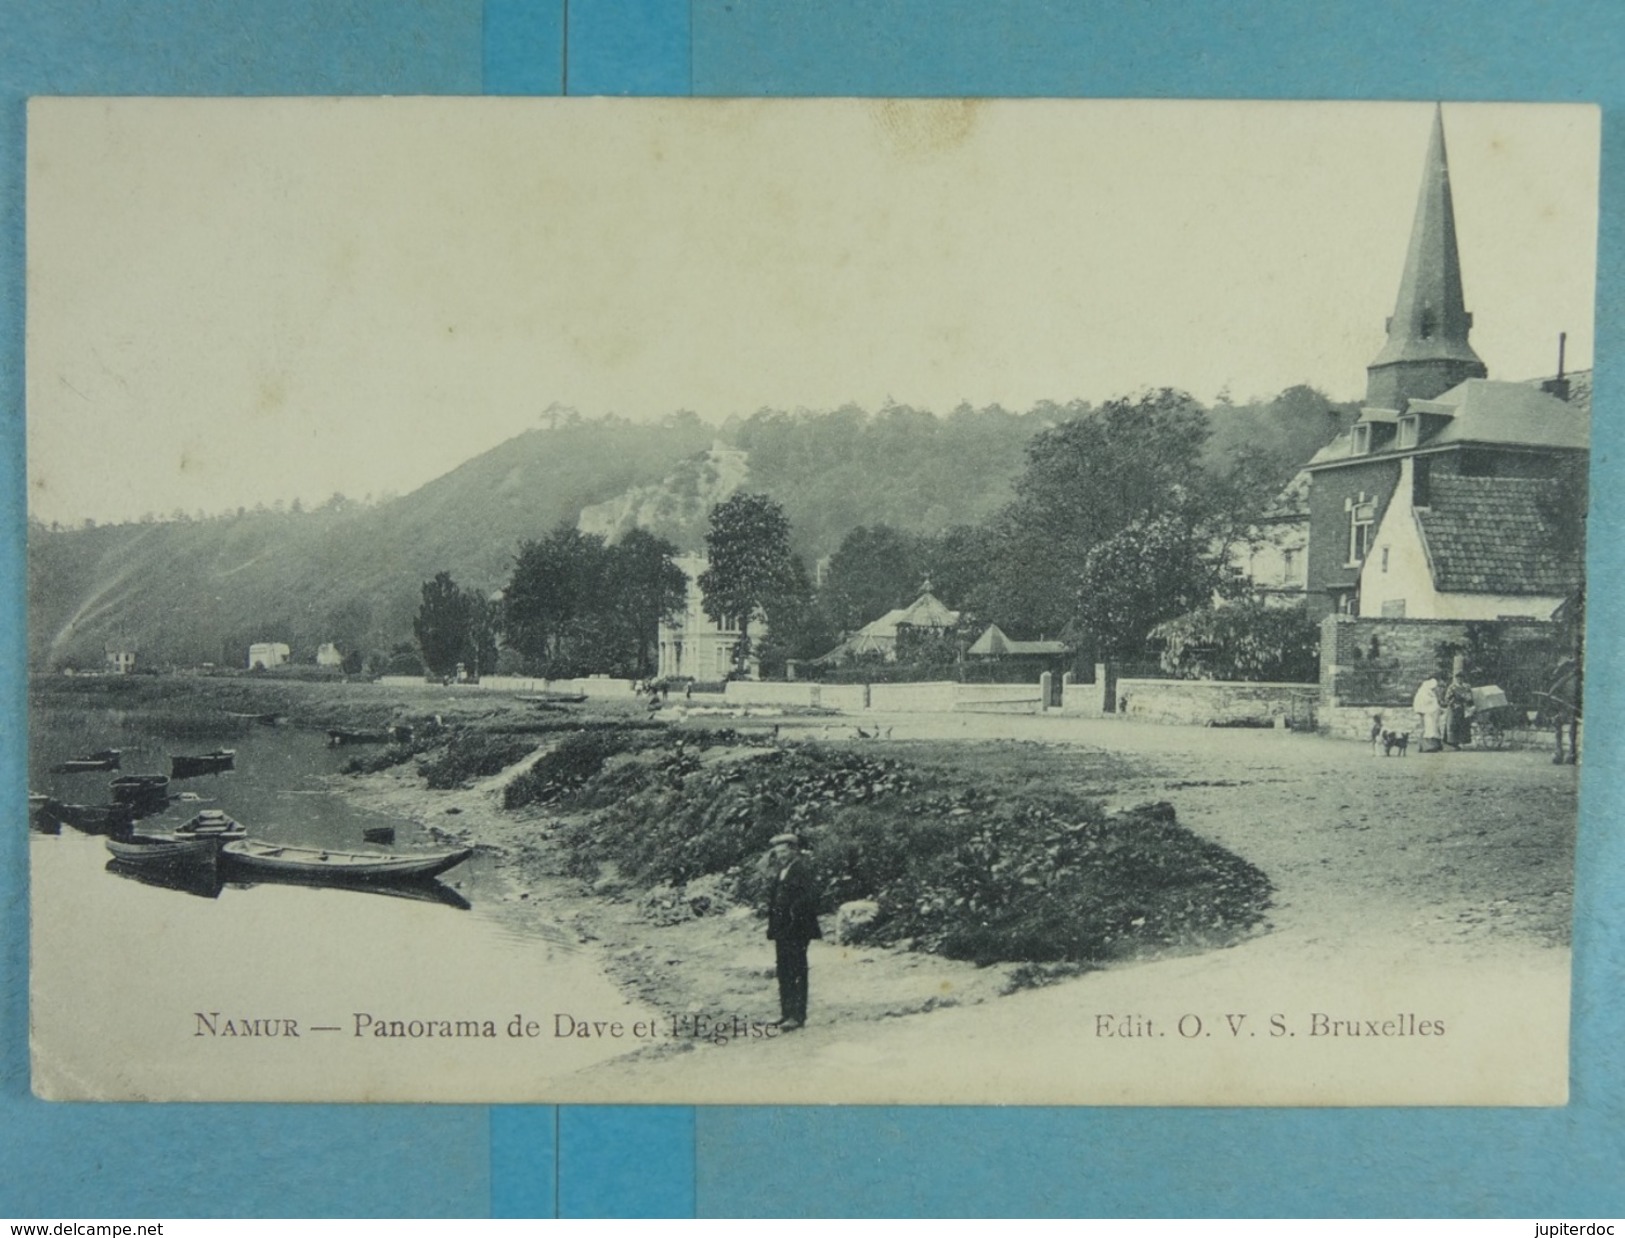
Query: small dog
point(1385, 742)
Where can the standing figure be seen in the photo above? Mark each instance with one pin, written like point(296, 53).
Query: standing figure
point(1458, 709)
point(1428, 707)
point(792, 921)
point(1561, 705)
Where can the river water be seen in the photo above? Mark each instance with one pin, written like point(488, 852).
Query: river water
point(168, 991)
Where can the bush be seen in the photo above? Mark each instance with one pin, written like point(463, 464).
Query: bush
point(474, 755)
point(567, 766)
point(1246, 641)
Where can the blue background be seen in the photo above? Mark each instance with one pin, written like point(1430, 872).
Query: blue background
point(62, 1161)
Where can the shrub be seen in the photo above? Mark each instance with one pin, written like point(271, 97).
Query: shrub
point(1243, 641)
point(474, 755)
point(567, 766)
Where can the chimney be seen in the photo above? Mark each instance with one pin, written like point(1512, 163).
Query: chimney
point(1558, 386)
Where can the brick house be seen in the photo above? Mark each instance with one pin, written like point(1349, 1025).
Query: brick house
point(1436, 503)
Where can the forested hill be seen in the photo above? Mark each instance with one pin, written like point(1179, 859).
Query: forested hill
point(186, 592)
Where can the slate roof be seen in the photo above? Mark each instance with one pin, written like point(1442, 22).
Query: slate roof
point(1489, 412)
point(1489, 535)
point(1484, 411)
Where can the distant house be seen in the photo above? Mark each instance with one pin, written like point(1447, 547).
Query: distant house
point(924, 615)
point(1274, 559)
point(993, 643)
point(120, 661)
point(329, 655)
point(267, 655)
point(697, 646)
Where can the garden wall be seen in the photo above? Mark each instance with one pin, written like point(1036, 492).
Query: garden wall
point(1211, 702)
point(1379, 663)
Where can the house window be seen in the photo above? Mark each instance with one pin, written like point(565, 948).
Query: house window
point(1385, 558)
point(1409, 431)
point(1362, 439)
point(1289, 565)
point(1362, 523)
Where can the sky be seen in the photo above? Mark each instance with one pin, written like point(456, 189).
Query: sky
point(234, 302)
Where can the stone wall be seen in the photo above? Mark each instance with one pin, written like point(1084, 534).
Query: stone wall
point(1212, 702)
point(912, 697)
point(1379, 663)
point(768, 692)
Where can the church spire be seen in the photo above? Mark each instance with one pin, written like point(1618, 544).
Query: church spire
point(1427, 352)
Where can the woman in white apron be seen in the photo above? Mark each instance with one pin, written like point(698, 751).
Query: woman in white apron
point(1427, 706)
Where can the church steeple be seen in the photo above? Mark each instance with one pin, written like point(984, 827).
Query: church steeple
point(1427, 352)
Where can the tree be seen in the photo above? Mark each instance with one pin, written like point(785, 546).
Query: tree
point(1116, 525)
point(553, 584)
point(484, 625)
point(1153, 570)
point(644, 588)
point(875, 569)
point(1245, 641)
point(441, 625)
point(751, 567)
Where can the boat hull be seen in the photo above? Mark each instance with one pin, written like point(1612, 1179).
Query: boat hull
point(90, 818)
point(315, 864)
point(97, 762)
point(207, 763)
point(143, 792)
point(164, 851)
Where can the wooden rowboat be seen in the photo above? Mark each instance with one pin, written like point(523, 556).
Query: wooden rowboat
point(338, 737)
point(216, 762)
point(91, 818)
point(162, 850)
point(140, 789)
point(213, 824)
point(252, 855)
point(262, 719)
point(106, 759)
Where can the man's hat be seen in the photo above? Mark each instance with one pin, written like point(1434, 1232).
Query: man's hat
point(793, 839)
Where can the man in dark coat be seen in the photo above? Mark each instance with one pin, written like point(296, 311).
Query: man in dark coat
point(792, 921)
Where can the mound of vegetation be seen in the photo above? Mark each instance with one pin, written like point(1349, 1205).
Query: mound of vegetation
point(473, 754)
point(1010, 874)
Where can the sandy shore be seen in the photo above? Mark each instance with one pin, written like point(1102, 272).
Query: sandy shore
point(1443, 878)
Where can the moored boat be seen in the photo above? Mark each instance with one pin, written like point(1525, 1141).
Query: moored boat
point(106, 759)
point(339, 736)
point(218, 761)
point(40, 817)
point(262, 719)
point(251, 855)
point(211, 823)
point(142, 790)
point(91, 818)
point(164, 850)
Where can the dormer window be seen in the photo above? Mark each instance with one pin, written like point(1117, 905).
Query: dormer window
point(1410, 431)
point(1362, 439)
point(1428, 324)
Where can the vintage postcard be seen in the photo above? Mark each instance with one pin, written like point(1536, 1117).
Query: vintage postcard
point(845, 601)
